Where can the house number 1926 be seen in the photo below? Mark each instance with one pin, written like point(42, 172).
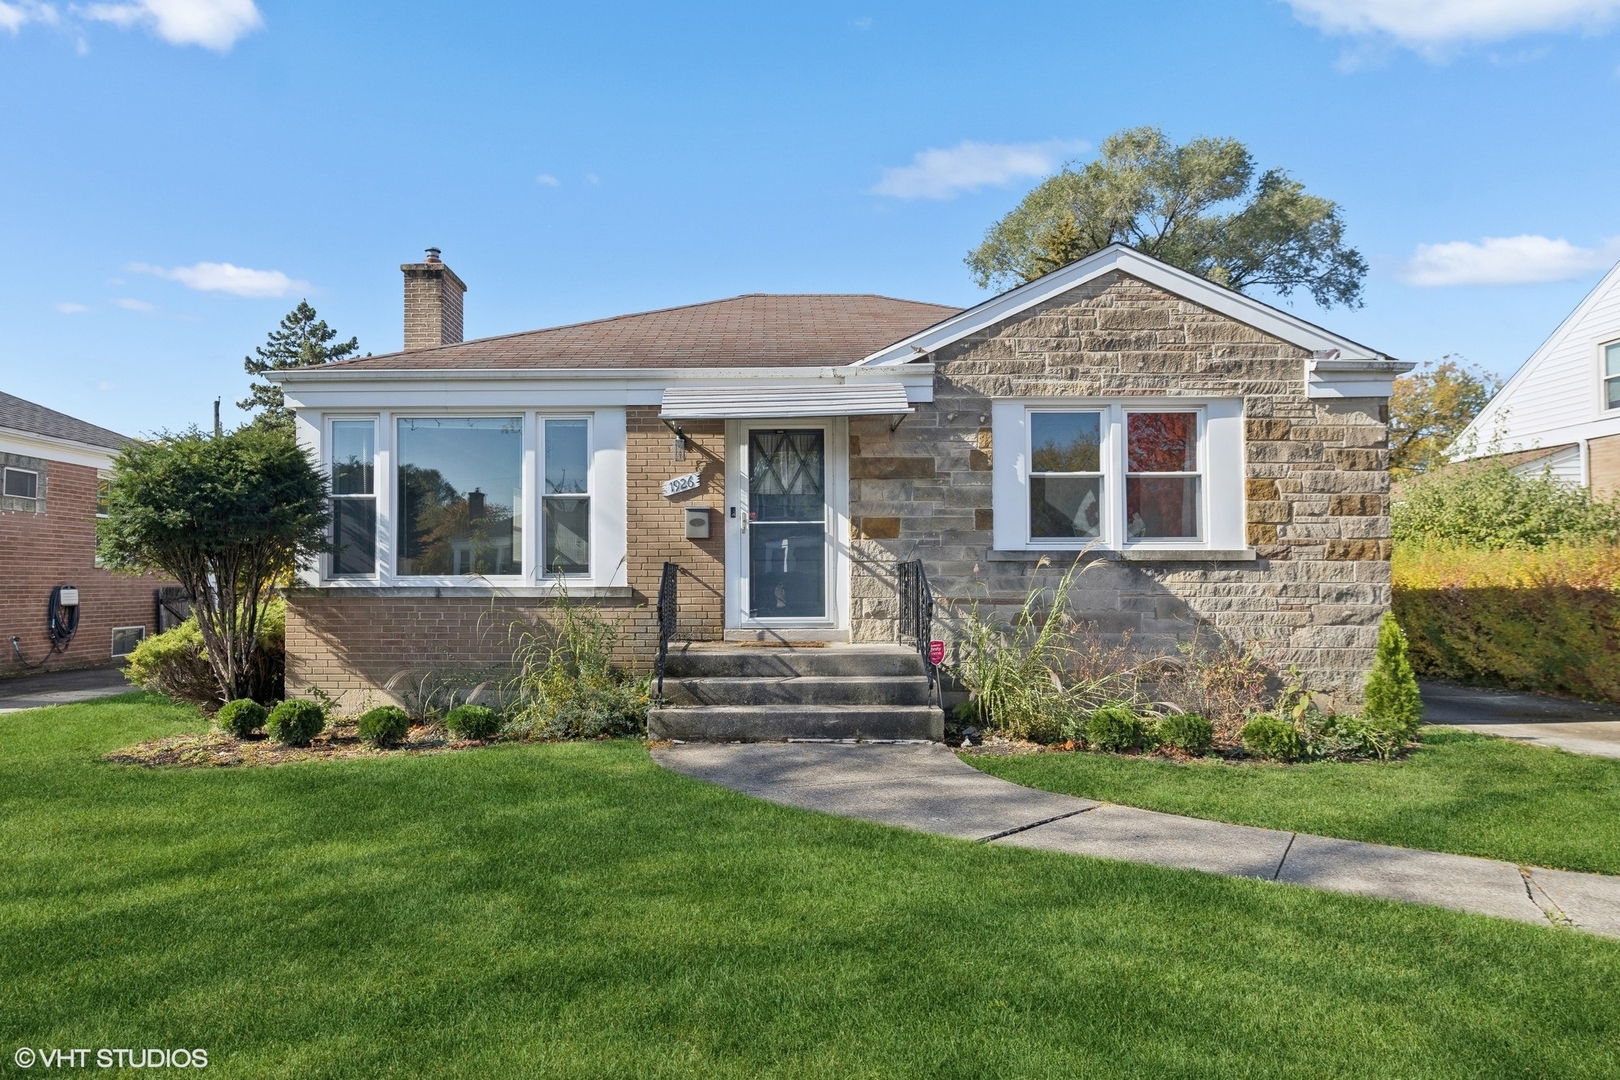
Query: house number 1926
point(689, 482)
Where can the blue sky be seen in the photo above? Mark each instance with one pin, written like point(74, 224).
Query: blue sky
point(576, 161)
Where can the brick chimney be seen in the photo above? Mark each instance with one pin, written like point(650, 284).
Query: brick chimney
point(432, 303)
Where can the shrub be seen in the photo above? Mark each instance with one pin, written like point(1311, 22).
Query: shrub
point(384, 725)
point(241, 717)
point(1116, 727)
point(295, 723)
point(1392, 699)
point(175, 663)
point(566, 686)
point(1485, 504)
point(1187, 732)
point(1362, 736)
point(1273, 737)
point(472, 722)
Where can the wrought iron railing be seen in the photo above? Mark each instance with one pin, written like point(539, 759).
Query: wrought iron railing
point(666, 618)
point(917, 616)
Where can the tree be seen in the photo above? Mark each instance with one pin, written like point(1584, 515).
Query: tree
point(1430, 408)
point(1391, 693)
point(303, 340)
point(1179, 204)
point(223, 515)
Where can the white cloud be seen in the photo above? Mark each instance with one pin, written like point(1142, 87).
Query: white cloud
point(1431, 26)
point(969, 166)
point(548, 180)
point(1505, 260)
point(223, 277)
point(105, 385)
point(68, 307)
point(18, 13)
point(213, 24)
point(135, 305)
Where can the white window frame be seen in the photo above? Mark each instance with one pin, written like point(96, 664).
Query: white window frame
point(1220, 468)
point(328, 441)
point(607, 432)
point(4, 472)
point(540, 487)
point(1604, 378)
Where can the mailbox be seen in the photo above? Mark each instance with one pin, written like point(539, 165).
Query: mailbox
point(697, 522)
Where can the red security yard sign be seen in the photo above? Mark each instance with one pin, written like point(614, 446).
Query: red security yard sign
point(936, 652)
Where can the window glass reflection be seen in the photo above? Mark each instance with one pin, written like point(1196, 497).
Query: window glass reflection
point(460, 495)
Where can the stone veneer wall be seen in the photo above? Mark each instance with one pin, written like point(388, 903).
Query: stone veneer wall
point(350, 644)
point(1317, 487)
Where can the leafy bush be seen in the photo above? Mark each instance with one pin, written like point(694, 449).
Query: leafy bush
point(1273, 737)
point(384, 725)
point(241, 717)
point(1392, 700)
point(567, 687)
point(472, 722)
point(1485, 504)
point(1545, 619)
point(1187, 732)
point(295, 723)
point(1116, 727)
point(175, 662)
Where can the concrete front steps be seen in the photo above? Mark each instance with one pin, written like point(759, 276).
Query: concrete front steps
point(737, 693)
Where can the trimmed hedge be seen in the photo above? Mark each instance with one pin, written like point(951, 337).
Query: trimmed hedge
point(1187, 732)
point(1544, 620)
point(1273, 737)
point(241, 717)
point(295, 723)
point(1116, 728)
point(472, 722)
point(384, 725)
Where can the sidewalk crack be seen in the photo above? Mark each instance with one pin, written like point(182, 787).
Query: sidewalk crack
point(1547, 907)
point(1034, 825)
point(1277, 872)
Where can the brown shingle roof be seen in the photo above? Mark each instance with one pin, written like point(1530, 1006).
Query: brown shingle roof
point(758, 329)
point(20, 415)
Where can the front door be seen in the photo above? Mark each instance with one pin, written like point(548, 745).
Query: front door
point(782, 557)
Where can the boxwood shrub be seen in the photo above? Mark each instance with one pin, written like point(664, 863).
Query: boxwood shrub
point(384, 725)
point(1272, 737)
point(295, 723)
point(472, 722)
point(1187, 732)
point(1117, 728)
point(241, 717)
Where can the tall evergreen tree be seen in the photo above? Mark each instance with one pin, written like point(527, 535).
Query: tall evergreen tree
point(302, 340)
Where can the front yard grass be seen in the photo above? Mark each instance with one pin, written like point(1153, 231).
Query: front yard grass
point(1459, 792)
point(573, 910)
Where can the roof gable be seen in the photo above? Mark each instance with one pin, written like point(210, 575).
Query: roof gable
point(25, 416)
point(1324, 344)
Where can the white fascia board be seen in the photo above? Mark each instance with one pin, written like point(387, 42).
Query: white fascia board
point(32, 444)
point(1331, 378)
point(1247, 310)
point(412, 389)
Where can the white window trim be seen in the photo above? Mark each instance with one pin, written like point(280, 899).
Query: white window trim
point(1604, 378)
point(607, 432)
point(34, 498)
point(1220, 456)
point(540, 496)
point(327, 442)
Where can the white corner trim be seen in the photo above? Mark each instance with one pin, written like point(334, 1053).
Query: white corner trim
point(1245, 309)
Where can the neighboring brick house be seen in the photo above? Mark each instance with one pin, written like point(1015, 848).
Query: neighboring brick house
point(1224, 459)
point(52, 468)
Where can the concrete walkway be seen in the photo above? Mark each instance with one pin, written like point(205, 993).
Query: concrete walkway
point(927, 788)
point(61, 688)
point(1577, 726)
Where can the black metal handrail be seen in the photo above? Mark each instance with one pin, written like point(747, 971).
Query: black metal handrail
point(917, 615)
point(666, 617)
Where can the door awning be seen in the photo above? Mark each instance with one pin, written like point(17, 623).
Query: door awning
point(759, 402)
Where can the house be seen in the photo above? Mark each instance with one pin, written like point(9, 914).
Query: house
point(58, 607)
point(1560, 413)
point(1223, 461)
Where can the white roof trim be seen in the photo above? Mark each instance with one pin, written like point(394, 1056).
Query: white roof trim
point(739, 402)
point(1247, 310)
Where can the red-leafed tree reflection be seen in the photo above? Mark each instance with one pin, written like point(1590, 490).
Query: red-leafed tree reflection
point(1161, 506)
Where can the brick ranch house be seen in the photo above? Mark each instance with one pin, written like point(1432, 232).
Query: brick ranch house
point(1225, 461)
point(52, 474)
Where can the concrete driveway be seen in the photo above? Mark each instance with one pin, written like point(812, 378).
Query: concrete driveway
point(61, 688)
point(1577, 726)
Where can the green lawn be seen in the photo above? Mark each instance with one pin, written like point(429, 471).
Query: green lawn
point(573, 910)
point(1460, 792)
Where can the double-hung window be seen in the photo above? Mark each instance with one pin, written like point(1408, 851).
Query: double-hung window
point(354, 498)
point(1130, 473)
point(565, 500)
point(1611, 376)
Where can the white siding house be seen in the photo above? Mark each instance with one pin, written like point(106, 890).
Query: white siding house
point(1564, 402)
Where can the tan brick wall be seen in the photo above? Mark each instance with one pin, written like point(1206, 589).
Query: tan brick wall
point(41, 550)
point(355, 646)
point(1603, 461)
point(1317, 489)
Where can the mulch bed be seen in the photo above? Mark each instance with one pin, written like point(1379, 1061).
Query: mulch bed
point(216, 749)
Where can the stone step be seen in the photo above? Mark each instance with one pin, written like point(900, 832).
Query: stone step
point(711, 660)
point(799, 690)
point(777, 723)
